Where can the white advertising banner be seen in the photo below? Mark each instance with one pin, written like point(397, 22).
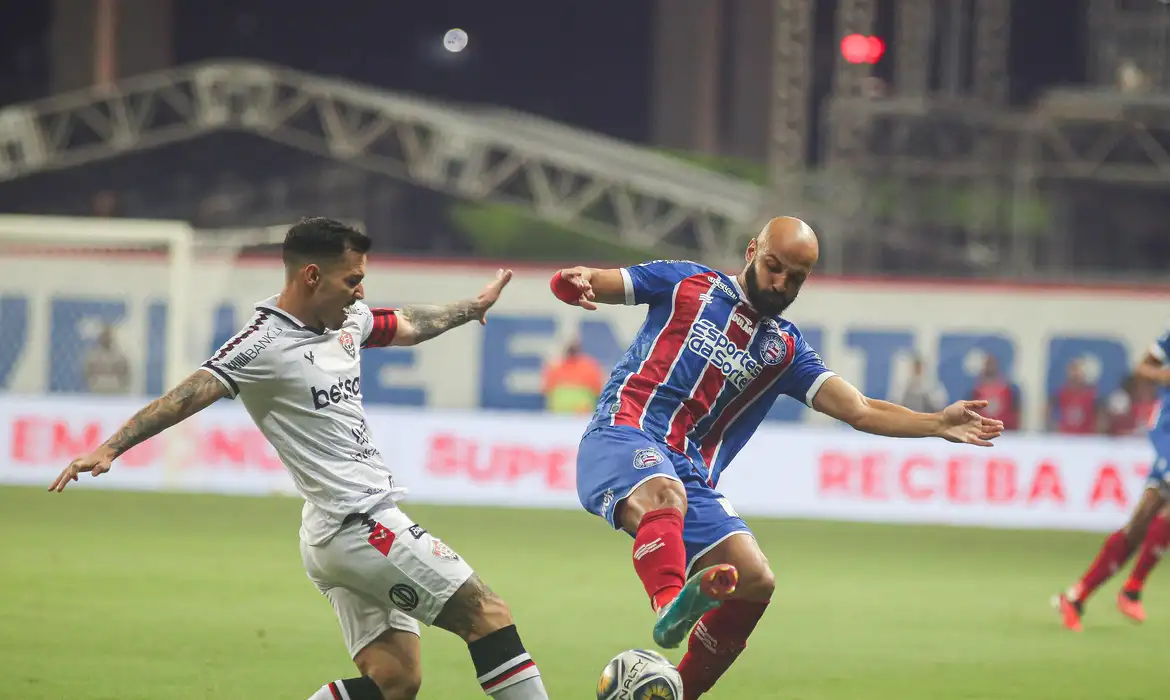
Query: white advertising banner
point(529, 460)
point(50, 312)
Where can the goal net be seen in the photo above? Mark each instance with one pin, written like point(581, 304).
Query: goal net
point(99, 316)
point(121, 307)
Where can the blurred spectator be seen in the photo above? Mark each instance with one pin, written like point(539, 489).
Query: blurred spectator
point(1001, 394)
point(922, 393)
point(105, 204)
point(106, 368)
point(1129, 408)
point(1117, 412)
point(573, 383)
point(1072, 409)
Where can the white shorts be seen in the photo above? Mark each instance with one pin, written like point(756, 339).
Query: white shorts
point(384, 572)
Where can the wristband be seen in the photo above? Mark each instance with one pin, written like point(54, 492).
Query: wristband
point(564, 289)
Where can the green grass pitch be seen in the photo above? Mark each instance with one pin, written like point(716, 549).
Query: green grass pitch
point(117, 596)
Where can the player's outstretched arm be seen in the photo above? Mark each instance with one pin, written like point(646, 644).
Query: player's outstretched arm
point(421, 322)
point(582, 286)
point(958, 422)
point(191, 396)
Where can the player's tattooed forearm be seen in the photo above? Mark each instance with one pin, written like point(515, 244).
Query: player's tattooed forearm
point(197, 391)
point(430, 321)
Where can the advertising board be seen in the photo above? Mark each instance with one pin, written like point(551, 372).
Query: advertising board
point(529, 460)
point(50, 308)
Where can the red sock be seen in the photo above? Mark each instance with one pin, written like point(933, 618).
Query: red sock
point(1114, 553)
point(659, 555)
point(1157, 537)
point(716, 642)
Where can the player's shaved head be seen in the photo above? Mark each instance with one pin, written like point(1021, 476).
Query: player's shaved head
point(322, 242)
point(779, 259)
point(790, 239)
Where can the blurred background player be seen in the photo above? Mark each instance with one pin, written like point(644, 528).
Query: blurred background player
point(296, 366)
point(921, 392)
point(1148, 526)
point(711, 358)
point(106, 368)
point(572, 384)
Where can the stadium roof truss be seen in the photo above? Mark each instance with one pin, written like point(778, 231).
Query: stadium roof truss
point(1086, 136)
point(562, 174)
point(1069, 136)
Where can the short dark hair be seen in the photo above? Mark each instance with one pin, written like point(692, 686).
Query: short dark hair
point(321, 240)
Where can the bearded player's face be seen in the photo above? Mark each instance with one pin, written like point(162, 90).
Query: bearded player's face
point(338, 287)
point(771, 287)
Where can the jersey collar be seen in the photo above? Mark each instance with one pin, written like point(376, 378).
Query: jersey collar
point(739, 290)
point(270, 306)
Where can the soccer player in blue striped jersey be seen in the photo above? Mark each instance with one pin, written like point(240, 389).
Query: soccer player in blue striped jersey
point(711, 358)
point(1148, 529)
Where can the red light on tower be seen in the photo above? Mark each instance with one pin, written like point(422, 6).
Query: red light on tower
point(858, 48)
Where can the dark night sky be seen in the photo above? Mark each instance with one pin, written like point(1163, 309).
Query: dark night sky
point(583, 62)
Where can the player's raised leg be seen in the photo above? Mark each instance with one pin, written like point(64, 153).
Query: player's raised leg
point(634, 483)
point(654, 513)
point(716, 536)
point(1114, 553)
point(1129, 600)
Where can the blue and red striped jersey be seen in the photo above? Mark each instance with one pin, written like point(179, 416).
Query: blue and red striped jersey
point(1160, 419)
point(705, 367)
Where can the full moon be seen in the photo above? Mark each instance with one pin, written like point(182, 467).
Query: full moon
point(455, 40)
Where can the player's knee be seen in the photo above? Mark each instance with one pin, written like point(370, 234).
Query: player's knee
point(756, 583)
point(474, 611)
point(756, 580)
point(1150, 505)
point(655, 494)
point(1135, 533)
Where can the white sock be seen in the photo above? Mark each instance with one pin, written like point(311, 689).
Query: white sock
point(363, 688)
point(530, 688)
point(504, 669)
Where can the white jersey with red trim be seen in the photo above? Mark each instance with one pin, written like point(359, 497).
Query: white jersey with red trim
point(302, 388)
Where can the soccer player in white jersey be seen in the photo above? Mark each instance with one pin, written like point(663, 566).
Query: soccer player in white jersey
point(295, 366)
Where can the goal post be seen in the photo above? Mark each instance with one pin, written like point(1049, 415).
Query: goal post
point(176, 239)
point(163, 291)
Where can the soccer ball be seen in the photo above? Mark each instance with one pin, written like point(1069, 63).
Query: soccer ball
point(640, 674)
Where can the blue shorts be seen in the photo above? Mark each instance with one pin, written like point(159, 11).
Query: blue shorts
point(1159, 476)
point(613, 461)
